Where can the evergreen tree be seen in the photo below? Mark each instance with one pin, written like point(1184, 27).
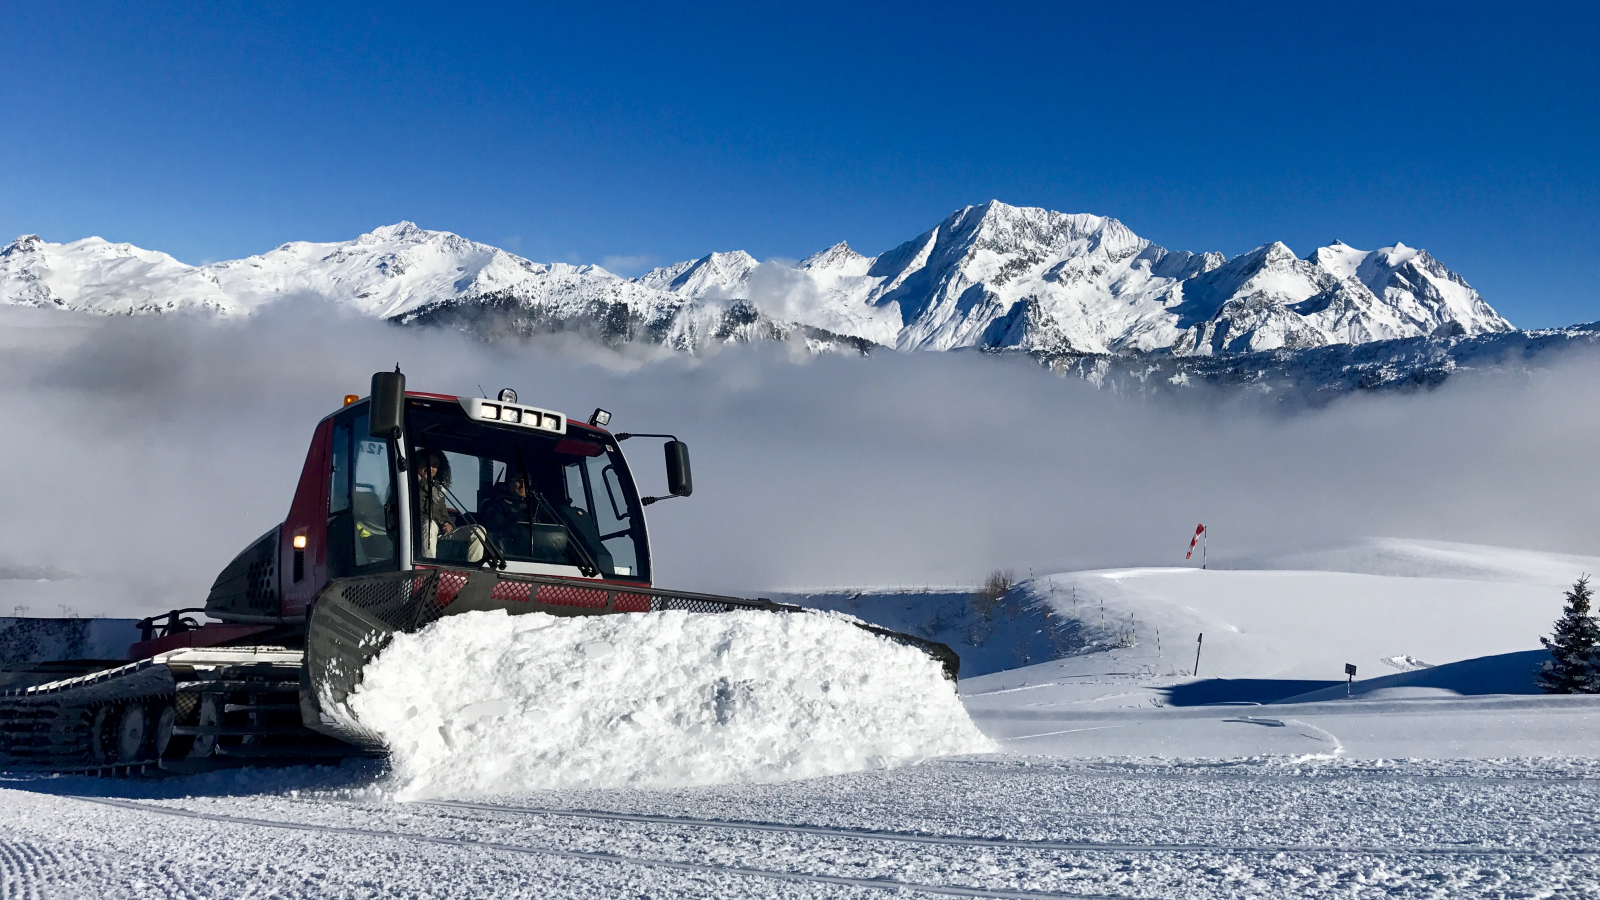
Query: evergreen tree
point(1575, 647)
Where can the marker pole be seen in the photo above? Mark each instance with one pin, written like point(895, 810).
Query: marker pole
point(1197, 644)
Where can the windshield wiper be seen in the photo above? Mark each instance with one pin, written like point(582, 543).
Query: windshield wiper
point(586, 564)
point(496, 558)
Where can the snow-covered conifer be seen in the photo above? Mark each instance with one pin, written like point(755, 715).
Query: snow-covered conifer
point(1575, 647)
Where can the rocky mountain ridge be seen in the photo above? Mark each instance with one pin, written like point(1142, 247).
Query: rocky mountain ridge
point(988, 277)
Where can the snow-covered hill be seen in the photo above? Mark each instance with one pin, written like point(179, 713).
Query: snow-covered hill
point(394, 272)
point(990, 276)
point(1295, 615)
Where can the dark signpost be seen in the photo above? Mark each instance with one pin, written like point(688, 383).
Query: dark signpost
point(1349, 670)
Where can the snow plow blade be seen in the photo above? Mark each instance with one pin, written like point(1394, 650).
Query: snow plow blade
point(353, 619)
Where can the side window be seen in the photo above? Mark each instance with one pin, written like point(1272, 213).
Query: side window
point(574, 478)
point(614, 495)
point(610, 511)
point(611, 516)
point(466, 474)
point(371, 498)
point(581, 515)
point(339, 487)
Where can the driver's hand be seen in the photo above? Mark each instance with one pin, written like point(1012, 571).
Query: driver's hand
point(446, 527)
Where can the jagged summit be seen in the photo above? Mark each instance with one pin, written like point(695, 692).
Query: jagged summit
point(991, 276)
point(839, 259)
point(398, 231)
point(697, 278)
point(25, 243)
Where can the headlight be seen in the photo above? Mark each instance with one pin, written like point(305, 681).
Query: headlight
point(514, 414)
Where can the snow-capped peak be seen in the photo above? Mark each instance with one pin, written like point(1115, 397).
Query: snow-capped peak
point(399, 231)
point(838, 259)
point(25, 243)
point(1398, 255)
point(723, 273)
point(991, 275)
point(1340, 259)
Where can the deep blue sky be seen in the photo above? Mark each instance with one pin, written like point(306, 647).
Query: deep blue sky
point(660, 132)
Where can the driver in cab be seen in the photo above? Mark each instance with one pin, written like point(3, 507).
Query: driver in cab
point(508, 515)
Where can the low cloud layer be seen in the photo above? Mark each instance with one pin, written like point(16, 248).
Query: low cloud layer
point(147, 451)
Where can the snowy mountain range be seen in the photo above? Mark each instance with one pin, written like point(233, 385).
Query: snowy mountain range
point(992, 277)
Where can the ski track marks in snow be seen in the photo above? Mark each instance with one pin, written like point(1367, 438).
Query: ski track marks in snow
point(29, 871)
point(592, 856)
point(959, 841)
point(982, 826)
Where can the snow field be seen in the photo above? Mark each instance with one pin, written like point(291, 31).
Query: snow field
point(1288, 624)
point(989, 827)
point(487, 703)
point(1463, 620)
point(1437, 782)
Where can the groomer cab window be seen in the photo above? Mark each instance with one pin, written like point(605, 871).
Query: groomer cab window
point(553, 504)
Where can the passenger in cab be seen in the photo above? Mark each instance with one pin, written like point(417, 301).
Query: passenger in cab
point(441, 539)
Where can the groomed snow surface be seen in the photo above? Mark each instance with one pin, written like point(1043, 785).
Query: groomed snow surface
point(690, 756)
point(988, 826)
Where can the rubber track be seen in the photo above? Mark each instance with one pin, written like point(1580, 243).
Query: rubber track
point(994, 843)
point(882, 884)
point(66, 704)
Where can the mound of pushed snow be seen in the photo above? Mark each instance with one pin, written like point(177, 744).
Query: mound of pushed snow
point(487, 703)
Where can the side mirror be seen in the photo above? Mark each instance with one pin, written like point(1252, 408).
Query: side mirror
point(679, 482)
point(386, 415)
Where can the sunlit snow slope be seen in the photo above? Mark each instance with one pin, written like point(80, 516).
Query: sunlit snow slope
point(1445, 641)
point(1295, 615)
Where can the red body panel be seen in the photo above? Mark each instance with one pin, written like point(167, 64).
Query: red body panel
point(209, 635)
point(605, 581)
point(308, 518)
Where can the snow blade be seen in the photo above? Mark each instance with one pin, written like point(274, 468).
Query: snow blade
point(353, 619)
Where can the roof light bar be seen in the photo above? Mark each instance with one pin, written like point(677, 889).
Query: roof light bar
point(512, 414)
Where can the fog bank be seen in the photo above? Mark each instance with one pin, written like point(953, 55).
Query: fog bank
point(145, 452)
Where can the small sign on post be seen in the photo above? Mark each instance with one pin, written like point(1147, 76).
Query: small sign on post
point(1350, 671)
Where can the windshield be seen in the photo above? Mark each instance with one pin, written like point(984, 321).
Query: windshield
point(551, 504)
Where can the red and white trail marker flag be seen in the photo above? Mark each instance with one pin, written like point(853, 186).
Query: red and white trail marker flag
point(1198, 530)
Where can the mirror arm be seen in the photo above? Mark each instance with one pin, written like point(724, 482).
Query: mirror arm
point(683, 469)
